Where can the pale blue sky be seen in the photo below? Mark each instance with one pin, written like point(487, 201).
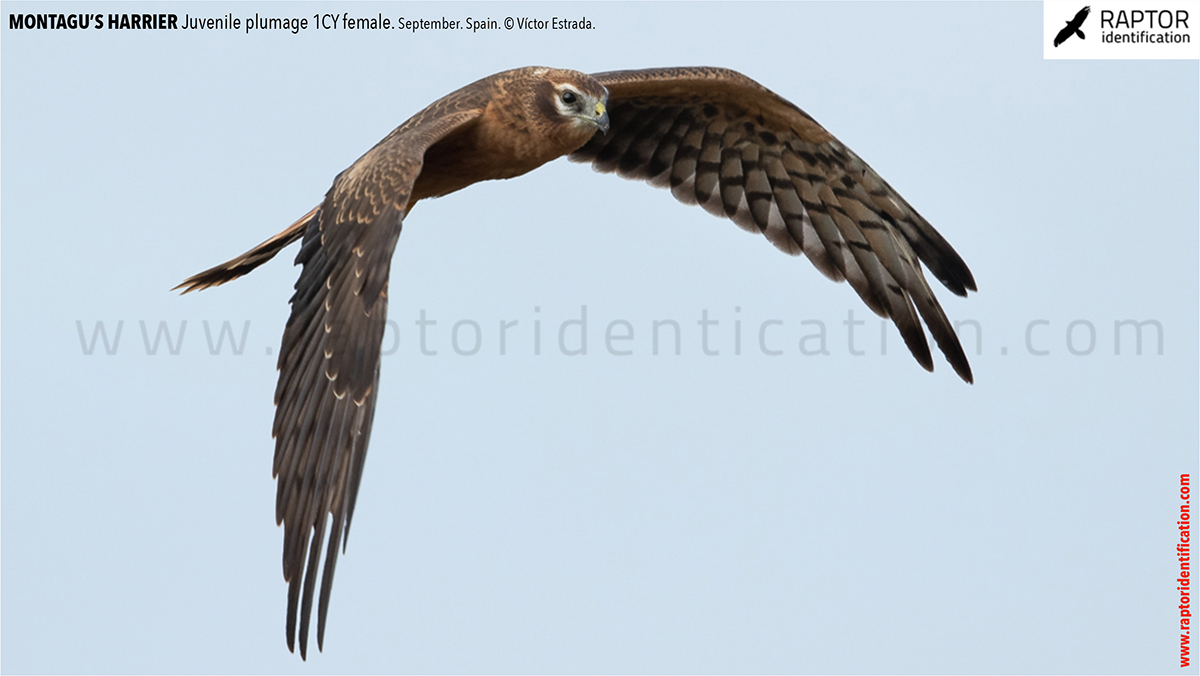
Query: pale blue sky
point(601, 513)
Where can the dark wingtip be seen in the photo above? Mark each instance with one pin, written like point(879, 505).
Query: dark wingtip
point(956, 276)
point(942, 260)
point(964, 372)
point(956, 356)
point(925, 359)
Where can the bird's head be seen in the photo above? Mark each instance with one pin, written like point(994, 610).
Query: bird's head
point(574, 104)
point(583, 107)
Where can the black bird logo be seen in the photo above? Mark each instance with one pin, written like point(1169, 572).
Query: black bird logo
point(1072, 27)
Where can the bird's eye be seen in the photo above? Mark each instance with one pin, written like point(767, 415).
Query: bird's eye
point(568, 97)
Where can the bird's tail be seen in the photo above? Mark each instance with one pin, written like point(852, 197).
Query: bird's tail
point(1080, 34)
point(231, 270)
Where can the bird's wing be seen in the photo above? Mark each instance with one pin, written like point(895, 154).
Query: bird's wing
point(1065, 33)
point(719, 139)
point(329, 361)
point(1081, 16)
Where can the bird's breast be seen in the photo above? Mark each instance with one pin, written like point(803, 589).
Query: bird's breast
point(481, 153)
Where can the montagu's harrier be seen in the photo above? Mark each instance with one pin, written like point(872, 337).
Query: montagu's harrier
point(713, 136)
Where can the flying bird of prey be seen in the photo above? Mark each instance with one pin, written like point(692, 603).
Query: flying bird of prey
point(714, 137)
point(1073, 26)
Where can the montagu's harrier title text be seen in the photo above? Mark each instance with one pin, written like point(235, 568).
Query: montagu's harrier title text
point(260, 23)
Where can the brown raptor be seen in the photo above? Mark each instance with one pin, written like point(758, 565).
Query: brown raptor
point(712, 136)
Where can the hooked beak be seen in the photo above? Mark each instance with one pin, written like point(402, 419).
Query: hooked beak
point(601, 118)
